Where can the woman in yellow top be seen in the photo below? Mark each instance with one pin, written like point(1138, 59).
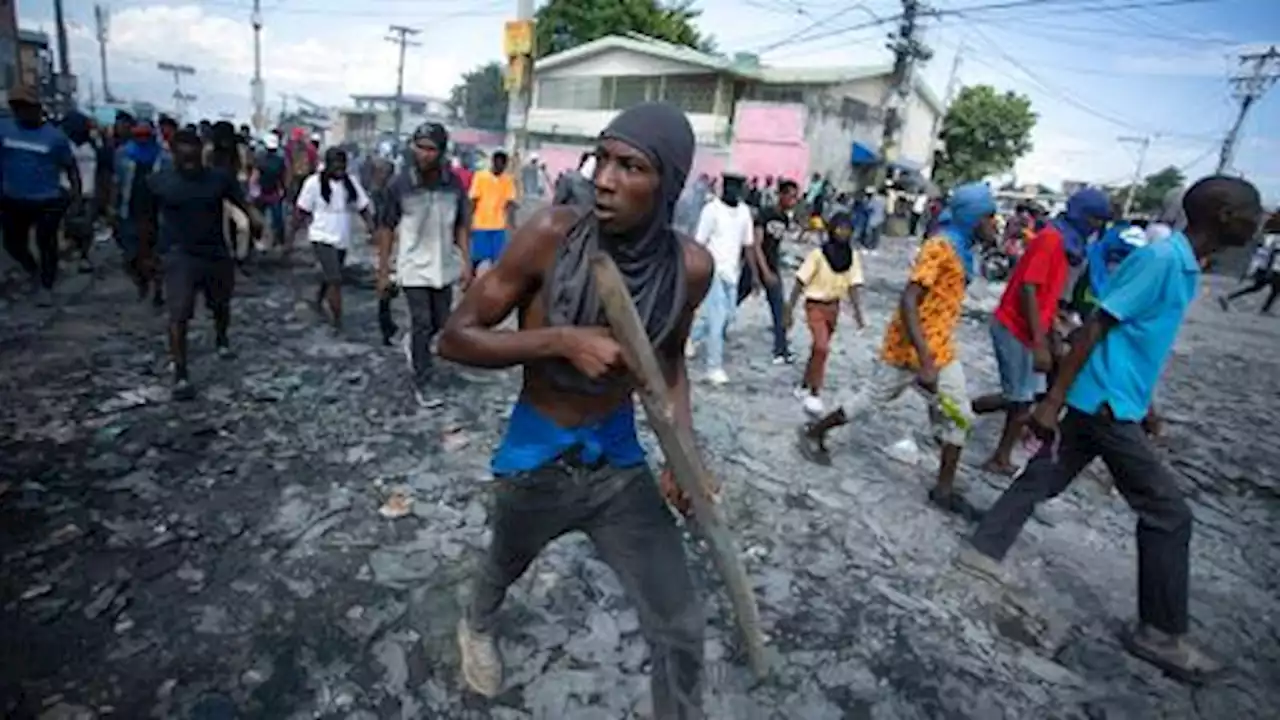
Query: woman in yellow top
point(829, 273)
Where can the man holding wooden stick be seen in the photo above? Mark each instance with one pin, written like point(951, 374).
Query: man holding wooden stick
point(571, 459)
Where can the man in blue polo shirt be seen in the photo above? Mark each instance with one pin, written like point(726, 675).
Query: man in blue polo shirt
point(1106, 383)
point(34, 155)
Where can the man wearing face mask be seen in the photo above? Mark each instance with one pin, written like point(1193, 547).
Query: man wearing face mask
point(726, 230)
point(425, 215)
point(189, 199)
point(34, 155)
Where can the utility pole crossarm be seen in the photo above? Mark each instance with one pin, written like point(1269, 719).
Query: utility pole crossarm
point(1248, 90)
point(400, 35)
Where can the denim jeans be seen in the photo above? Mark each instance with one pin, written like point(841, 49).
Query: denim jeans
point(776, 306)
point(623, 514)
point(275, 218)
point(1147, 484)
point(714, 317)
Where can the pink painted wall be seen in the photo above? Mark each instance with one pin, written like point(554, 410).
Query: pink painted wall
point(558, 158)
point(479, 138)
point(768, 139)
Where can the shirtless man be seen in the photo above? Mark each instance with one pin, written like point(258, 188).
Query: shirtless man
point(570, 459)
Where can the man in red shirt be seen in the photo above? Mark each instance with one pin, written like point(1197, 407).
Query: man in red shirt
point(1021, 331)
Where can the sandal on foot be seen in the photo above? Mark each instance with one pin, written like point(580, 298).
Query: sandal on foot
point(955, 503)
point(1172, 654)
point(811, 448)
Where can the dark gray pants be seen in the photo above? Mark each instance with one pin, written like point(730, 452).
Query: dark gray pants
point(623, 514)
point(428, 310)
point(1147, 484)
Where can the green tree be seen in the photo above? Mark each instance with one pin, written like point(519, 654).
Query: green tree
point(481, 99)
point(563, 24)
point(983, 133)
point(1150, 194)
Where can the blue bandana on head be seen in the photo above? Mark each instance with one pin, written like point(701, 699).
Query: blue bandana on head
point(967, 206)
point(1075, 224)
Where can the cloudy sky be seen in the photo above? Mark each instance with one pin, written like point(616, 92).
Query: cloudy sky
point(1096, 70)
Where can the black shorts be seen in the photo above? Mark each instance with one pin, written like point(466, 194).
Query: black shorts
point(185, 274)
point(331, 259)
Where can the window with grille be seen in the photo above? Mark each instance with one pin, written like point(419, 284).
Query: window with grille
point(691, 93)
point(628, 91)
point(577, 93)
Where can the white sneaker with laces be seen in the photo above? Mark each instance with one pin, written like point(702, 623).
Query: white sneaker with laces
point(718, 377)
point(813, 406)
point(481, 666)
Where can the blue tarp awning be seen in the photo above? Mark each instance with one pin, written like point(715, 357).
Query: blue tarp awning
point(862, 155)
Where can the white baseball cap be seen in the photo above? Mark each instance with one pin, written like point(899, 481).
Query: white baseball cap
point(271, 141)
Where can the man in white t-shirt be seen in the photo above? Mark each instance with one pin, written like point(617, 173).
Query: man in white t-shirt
point(726, 229)
point(328, 202)
point(77, 224)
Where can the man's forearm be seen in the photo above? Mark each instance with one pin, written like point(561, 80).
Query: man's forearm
point(1031, 311)
point(910, 309)
point(462, 238)
point(489, 348)
point(384, 239)
point(1082, 343)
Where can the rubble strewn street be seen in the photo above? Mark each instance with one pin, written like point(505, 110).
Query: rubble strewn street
point(295, 543)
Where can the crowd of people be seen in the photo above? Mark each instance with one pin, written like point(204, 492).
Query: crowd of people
point(1077, 368)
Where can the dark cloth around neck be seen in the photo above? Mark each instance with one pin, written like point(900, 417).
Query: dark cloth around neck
point(650, 259)
point(839, 253)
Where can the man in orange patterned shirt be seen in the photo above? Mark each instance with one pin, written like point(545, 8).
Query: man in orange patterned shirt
point(919, 345)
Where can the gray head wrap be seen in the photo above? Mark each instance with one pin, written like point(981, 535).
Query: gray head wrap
point(651, 260)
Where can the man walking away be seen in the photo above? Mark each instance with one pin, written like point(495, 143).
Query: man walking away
point(1264, 267)
point(135, 209)
point(1106, 383)
point(425, 217)
point(920, 344)
point(34, 155)
point(269, 178)
point(327, 203)
point(919, 207)
point(876, 205)
point(570, 460)
point(78, 223)
point(774, 225)
point(725, 230)
point(493, 195)
point(189, 198)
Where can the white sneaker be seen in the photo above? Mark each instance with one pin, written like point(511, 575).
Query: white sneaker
point(813, 406)
point(800, 392)
point(718, 377)
point(481, 666)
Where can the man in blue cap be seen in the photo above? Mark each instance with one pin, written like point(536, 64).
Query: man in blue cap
point(919, 348)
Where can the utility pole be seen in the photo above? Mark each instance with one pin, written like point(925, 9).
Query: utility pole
point(62, 84)
point(401, 35)
point(102, 17)
point(1249, 89)
point(518, 46)
point(953, 85)
point(908, 49)
point(256, 90)
point(1144, 144)
point(180, 99)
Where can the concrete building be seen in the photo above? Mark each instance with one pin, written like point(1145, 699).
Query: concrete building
point(748, 118)
point(8, 45)
point(35, 61)
point(372, 118)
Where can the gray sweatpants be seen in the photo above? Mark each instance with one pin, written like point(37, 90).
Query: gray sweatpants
point(634, 533)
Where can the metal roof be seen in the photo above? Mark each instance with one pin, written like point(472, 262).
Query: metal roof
point(773, 75)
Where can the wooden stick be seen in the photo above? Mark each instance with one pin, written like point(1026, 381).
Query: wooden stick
point(681, 453)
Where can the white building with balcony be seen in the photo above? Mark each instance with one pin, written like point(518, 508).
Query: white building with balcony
point(578, 91)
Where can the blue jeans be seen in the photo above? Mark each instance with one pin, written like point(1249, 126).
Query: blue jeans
point(776, 307)
point(275, 217)
point(714, 317)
